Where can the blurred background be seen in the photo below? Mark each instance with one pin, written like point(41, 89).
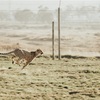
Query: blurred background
point(29, 23)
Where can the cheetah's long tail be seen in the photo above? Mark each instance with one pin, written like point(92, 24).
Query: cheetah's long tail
point(7, 53)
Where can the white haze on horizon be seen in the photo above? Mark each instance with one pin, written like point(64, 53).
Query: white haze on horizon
point(51, 4)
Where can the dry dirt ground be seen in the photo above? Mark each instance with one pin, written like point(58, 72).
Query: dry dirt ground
point(72, 78)
point(73, 42)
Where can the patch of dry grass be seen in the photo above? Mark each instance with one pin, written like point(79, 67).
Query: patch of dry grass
point(45, 79)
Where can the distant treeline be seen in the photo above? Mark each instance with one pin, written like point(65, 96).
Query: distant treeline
point(44, 15)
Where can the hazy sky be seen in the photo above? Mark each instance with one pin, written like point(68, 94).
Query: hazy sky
point(51, 4)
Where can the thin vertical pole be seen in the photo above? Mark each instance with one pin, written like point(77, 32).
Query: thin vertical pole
point(59, 55)
point(53, 41)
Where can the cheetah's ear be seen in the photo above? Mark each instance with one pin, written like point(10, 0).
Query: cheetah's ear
point(38, 50)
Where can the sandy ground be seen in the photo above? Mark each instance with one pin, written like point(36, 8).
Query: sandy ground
point(72, 78)
point(73, 42)
point(45, 79)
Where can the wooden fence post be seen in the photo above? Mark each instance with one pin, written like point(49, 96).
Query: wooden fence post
point(59, 55)
point(53, 57)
